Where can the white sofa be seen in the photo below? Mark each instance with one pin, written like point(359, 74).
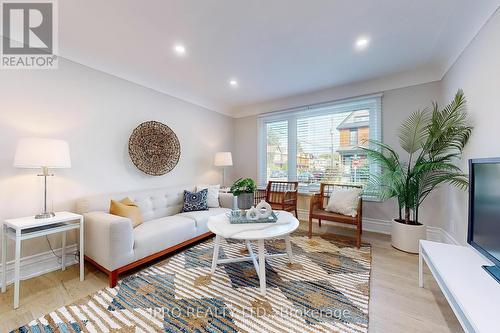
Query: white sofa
point(114, 246)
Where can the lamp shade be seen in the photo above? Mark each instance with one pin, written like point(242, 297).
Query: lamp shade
point(36, 153)
point(223, 158)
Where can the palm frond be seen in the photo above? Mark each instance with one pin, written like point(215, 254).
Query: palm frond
point(413, 131)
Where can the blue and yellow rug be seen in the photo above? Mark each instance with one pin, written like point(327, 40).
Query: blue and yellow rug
point(325, 290)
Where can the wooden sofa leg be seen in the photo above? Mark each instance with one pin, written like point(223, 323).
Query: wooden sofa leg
point(296, 214)
point(358, 237)
point(310, 227)
point(319, 223)
point(113, 278)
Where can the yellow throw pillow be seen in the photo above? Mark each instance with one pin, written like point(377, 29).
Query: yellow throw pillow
point(126, 208)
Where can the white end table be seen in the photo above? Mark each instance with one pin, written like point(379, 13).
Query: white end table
point(28, 227)
point(247, 232)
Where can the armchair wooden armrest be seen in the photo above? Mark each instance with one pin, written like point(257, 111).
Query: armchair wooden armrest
point(315, 200)
point(360, 210)
point(314, 203)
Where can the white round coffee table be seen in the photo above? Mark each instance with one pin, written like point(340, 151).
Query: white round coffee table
point(247, 232)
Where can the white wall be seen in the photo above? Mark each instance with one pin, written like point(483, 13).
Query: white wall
point(96, 113)
point(477, 72)
point(397, 105)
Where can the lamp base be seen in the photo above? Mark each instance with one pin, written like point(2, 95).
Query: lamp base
point(45, 215)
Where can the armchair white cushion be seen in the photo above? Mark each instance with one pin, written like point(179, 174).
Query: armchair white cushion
point(344, 202)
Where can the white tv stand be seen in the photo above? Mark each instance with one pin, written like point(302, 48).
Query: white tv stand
point(471, 292)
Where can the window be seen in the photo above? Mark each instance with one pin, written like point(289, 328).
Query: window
point(319, 143)
point(353, 136)
point(277, 150)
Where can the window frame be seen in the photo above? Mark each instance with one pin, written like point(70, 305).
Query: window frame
point(371, 102)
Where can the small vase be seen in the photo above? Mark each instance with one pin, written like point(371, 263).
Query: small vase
point(264, 209)
point(245, 200)
point(253, 214)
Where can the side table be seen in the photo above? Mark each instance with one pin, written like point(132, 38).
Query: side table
point(28, 227)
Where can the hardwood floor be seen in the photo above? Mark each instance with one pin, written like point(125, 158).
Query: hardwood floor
point(396, 303)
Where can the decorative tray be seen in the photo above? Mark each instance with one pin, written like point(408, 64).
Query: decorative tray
point(239, 217)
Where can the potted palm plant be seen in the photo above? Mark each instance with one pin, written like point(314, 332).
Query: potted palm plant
point(244, 189)
point(433, 140)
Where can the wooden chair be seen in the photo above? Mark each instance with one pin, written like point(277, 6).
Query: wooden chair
point(319, 202)
point(280, 195)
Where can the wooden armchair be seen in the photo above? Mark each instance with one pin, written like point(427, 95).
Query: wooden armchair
point(280, 195)
point(319, 202)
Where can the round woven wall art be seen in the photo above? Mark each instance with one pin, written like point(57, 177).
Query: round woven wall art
point(154, 148)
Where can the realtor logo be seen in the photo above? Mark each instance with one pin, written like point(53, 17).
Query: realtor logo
point(29, 31)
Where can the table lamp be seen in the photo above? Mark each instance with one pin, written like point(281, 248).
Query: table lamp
point(34, 153)
point(223, 159)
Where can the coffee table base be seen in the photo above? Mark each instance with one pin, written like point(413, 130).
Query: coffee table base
point(260, 264)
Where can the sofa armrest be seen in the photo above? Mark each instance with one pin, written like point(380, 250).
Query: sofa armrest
point(109, 239)
point(226, 200)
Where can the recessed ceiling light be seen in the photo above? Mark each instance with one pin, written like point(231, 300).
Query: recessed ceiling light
point(362, 43)
point(180, 49)
point(233, 83)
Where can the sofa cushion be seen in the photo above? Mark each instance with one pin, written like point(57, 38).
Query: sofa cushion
point(213, 194)
point(201, 217)
point(194, 201)
point(156, 235)
point(126, 208)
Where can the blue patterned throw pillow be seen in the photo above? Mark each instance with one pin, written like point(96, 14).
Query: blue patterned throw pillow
point(194, 201)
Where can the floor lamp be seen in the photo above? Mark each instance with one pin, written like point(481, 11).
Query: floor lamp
point(223, 159)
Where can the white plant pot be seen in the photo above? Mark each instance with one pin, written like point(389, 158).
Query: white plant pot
point(405, 237)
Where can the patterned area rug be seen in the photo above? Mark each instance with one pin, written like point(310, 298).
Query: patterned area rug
point(325, 290)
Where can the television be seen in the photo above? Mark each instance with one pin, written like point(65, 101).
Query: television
point(484, 211)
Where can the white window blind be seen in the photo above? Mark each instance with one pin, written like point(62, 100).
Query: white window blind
point(319, 143)
point(277, 150)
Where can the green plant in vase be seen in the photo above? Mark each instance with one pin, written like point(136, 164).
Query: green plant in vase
point(244, 189)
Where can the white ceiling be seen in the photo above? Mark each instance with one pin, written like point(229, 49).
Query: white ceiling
point(275, 48)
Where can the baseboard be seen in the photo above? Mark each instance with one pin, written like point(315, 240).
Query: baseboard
point(303, 214)
point(384, 227)
point(434, 234)
point(447, 238)
point(376, 225)
point(39, 264)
